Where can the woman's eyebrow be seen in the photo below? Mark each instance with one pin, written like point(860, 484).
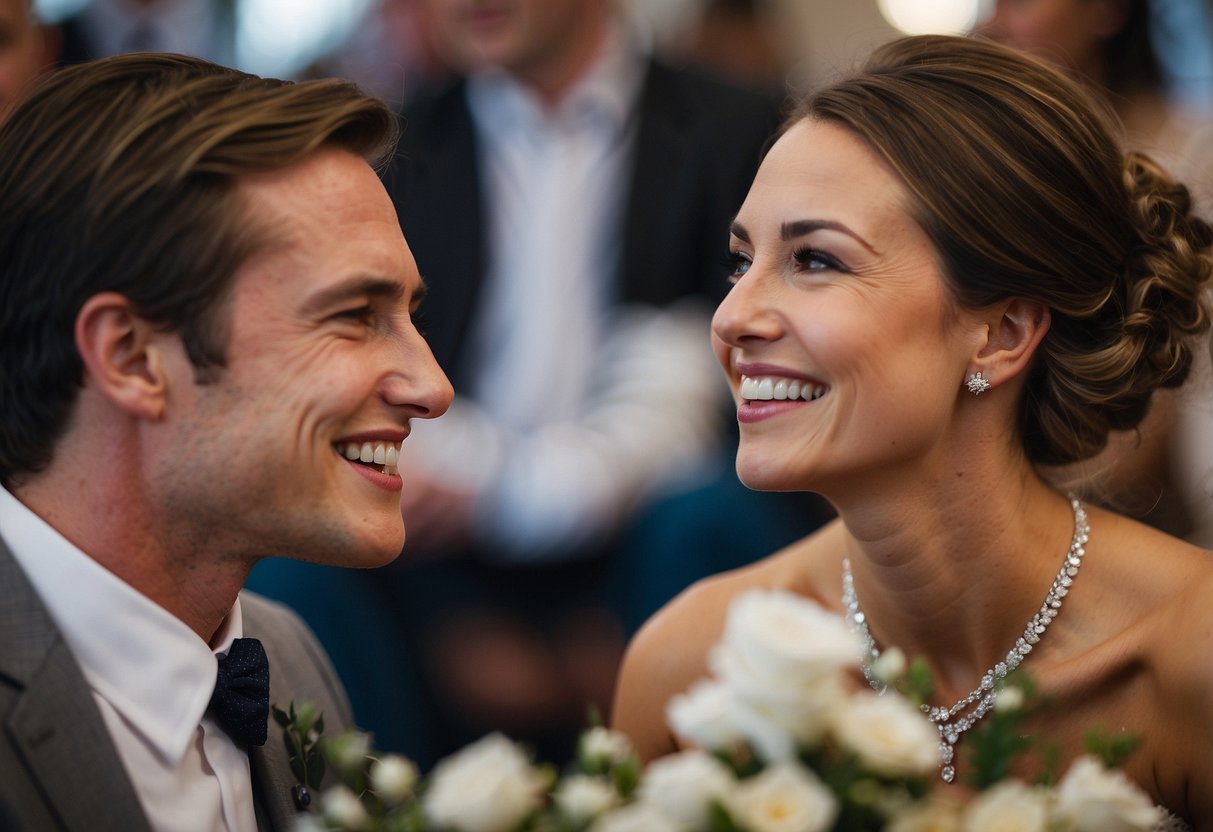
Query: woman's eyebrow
point(799, 228)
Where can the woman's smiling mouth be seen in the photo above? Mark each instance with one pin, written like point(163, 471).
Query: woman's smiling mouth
point(771, 388)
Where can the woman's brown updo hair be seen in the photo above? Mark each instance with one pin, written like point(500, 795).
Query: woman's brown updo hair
point(1016, 177)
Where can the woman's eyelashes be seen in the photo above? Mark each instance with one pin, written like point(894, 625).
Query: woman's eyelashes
point(737, 265)
point(814, 260)
point(806, 259)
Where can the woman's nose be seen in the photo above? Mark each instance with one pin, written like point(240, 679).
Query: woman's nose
point(747, 312)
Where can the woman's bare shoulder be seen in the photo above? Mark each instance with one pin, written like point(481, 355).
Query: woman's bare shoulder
point(1151, 601)
point(693, 621)
point(670, 652)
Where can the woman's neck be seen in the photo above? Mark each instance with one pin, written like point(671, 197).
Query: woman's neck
point(953, 575)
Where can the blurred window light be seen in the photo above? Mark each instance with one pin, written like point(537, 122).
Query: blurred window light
point(924, 17)
point(276, 38)
point(279, 38)
point(56, 11)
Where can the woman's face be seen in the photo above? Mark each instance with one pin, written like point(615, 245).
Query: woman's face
point(844, 350)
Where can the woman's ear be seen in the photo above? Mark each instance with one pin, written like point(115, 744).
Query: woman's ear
point(1015, 329)
point(122, 355)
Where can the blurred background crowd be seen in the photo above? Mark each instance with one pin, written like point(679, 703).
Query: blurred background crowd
point(567, 174)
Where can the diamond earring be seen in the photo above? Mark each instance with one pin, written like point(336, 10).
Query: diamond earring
point(977, 384)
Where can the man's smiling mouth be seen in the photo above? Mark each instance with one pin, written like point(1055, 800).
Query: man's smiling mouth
point(382, 455)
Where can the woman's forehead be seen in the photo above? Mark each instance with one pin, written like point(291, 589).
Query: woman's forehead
point(822, 170)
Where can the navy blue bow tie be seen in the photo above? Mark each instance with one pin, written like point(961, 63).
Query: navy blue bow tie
point(241, 701)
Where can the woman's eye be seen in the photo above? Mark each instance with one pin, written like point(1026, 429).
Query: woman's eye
point(813, 260)
point(737, 264)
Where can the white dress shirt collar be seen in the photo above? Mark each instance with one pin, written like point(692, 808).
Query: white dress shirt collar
point(154, 670)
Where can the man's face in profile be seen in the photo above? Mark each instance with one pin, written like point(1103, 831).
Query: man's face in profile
point(324, 370)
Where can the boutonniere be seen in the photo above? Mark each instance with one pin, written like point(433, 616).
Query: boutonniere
point(301, 731)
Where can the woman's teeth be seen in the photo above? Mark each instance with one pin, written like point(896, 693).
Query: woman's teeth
point(780, 389)
point(384, 454)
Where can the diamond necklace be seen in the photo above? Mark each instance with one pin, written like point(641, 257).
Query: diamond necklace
point(954, 721)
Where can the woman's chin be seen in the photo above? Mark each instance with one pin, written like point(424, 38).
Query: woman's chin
point(758, 476)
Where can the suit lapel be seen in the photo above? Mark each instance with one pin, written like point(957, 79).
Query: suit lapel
point(273, 780)
point(55, 726)
point(662, 192)
point(272, 783)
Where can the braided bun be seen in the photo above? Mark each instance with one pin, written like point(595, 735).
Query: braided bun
point(1101, 371)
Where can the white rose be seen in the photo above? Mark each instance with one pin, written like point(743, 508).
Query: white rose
point(778, 638)
point(1091, 798)
point(771, 732)
point(393, 778)
point(889, 665)
point(636, 817)
point(785, 797)
point(889, 735)
point(782, 657)
point(931, 816)
point(580, 797)
point(307, 822)
point(684, 785)
point(349, 750)
point(704, 715)
point(342, 808)
point(1009, 806)
point(489, 786)
point(801, 712)
point(602, 744)
point(1010, 699)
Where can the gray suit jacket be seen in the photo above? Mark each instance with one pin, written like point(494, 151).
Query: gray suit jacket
point(59, 769)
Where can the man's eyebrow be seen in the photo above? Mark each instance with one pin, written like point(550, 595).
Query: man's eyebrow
point(799, 228)
point(355, 287)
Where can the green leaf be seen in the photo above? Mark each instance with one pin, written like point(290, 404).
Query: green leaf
point(294, 754)
point(627, 776)
point(280, 716)
point(719, 819)
point(314, 769)
point(918, 683)
point(1112, 750)
point(993, 746)
point(1051, 757)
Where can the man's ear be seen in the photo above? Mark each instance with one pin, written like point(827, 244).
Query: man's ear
point(1016, 327)
point(123, 355)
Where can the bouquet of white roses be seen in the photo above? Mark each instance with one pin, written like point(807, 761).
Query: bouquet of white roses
point(782, 742)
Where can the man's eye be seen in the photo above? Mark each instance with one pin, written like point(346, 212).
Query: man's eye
point(358, 314)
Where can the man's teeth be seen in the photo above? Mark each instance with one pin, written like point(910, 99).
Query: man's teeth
point(386, 454)
point(780, 389)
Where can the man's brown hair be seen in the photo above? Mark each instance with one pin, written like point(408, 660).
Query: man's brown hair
point(121, 175)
